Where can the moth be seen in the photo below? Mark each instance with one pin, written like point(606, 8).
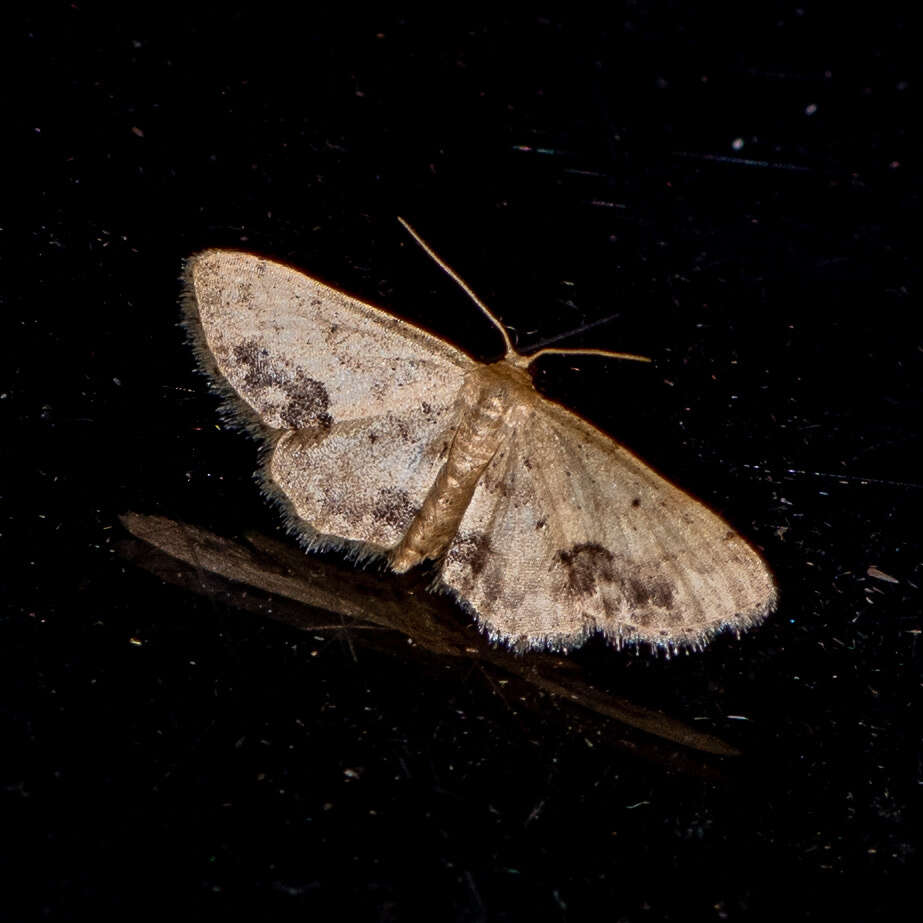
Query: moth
point(386, 440)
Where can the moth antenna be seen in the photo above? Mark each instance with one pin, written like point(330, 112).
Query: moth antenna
point(510, 350)
point(552, 351)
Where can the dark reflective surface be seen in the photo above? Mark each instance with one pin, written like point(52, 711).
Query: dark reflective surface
point(736, 199)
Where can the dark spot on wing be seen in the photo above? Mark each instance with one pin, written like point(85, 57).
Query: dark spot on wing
point(644, 593)
point(587, 565)
point(541, 523)
point(245, 293)
point(394, 507)
point(636, 502)
point(402, 430)
point(259, 371)
point(307, 403)
point(306, 400)
point(471, 551)
point(730, 534)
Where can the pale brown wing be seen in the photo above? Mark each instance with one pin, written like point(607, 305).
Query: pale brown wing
point(360, 481)
point(302, 354)
point(355, 406)
point(569, 533)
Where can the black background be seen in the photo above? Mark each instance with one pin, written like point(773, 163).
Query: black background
point(734, 194)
